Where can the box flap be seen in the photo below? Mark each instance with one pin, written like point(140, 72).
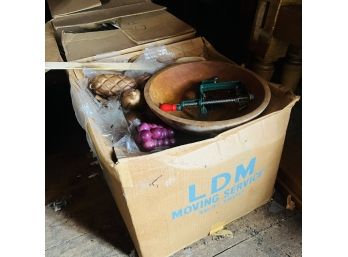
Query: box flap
point(79, 22)
point(80, 45)
point(74, 51)
point(64, 7)
point(148, 27)
point(52, 53)
point(104, 51)
point(117, 3)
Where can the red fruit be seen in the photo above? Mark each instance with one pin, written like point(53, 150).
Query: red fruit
point(156, 133)
point(145, 135)
point(170, 132)
point(159, 142)
point(143, 126)
point(166, 142)
point(149, 145)
point(172, 141)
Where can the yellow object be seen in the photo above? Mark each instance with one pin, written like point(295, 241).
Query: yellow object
point(217, 227)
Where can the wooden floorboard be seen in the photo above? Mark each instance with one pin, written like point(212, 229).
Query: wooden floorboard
point(89, 223)
point(246, 230)
point(279, 239)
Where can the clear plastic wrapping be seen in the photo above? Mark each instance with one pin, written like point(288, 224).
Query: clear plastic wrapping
point(108, 117)
point(157, 57)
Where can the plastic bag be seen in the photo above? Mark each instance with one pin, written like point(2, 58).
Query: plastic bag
point(157, 57)
point(89, 73)
point(126, 147)
point(108, 118)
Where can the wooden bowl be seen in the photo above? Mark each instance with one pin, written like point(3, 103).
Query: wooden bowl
point(171, 84)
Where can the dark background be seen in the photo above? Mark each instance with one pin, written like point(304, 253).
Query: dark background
point(225, 23)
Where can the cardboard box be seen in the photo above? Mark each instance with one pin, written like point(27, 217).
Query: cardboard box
point(149, 27)
point(59, 8)
point(94, 18)
point(140, 23)
point(137, 30)
point(52, 53)
point(172, 198)
point(65, 7)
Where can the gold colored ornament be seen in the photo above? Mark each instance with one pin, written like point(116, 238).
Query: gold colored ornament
point(111, 84)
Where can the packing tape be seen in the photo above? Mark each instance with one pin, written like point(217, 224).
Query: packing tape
point(216, 227)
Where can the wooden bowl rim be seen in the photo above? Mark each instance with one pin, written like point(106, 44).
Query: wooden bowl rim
point(216, 124)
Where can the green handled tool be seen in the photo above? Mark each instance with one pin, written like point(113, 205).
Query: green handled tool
point(242, 96)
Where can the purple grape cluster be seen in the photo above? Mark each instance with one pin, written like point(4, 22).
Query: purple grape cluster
point(152, 136)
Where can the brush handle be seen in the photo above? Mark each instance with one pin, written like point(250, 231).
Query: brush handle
point(168, 107)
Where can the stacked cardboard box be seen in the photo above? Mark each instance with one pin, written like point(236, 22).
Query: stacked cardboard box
point(115, 26)
point(172, 198)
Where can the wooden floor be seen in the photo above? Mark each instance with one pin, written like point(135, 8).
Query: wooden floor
point(82, 218)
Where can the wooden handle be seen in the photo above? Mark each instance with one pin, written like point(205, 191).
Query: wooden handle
point(98, 66)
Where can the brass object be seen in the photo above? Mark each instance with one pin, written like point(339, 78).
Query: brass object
point(111, 84)
point(131, 99)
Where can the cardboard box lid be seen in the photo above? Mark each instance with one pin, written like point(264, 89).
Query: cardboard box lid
point(80, 45)
point(90, 19)
point(60, 8)
point(181, 47)
point(148, 27)
point(64, 7)
point(52, 53)
point(92, 45)
point(117, 3)
point(193, 47)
